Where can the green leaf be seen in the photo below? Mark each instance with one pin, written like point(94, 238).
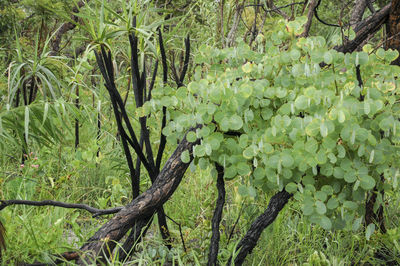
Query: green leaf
point(332, 203)
point(320, 207)
point(328, 57)
point(185, 156)
point(311, 145)
point(323, 129)
point(341, 151)
point(250, 152)
point(295, 54)
point(356, 224)
point(313, 128)
point(191, 136)
point(350, 177)
point(321, 157)
point(243, 191)
point(341, 116)
point(308, 208)
point(235, 122)
point(367, 182)
point(199, 151)
point(321, 195)
point(325, 222)
point(259, 173)
point(230, 172)
point(291, 187)
point(350, 205)
point(287, 160)
point(369, 231)
point(243, 169)
point(247, 67)
point(301, 102)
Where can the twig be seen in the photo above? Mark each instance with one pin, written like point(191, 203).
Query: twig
point(276, 8)
point(180, 231)
point(96, 212)
point(319, 19)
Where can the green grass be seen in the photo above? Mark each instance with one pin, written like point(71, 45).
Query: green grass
point(34, 233)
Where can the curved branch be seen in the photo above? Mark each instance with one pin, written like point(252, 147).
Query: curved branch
point(95, 211)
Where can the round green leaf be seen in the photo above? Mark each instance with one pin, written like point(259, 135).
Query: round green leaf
point(320, 207)
point(325, 222)
point(367, 182)
point(185, 156)
point(235, 122)
point(191, 136)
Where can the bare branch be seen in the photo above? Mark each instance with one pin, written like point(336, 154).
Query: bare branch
point(95, 211)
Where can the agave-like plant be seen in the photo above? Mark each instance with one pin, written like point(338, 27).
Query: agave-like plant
point(25, 113)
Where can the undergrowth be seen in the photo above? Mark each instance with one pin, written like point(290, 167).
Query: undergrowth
point(36, 233)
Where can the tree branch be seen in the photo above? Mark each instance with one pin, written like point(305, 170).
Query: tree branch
point(365, 28)
point(249, 241)
point(95, 211)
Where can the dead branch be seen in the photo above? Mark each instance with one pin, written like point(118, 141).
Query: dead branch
point(94, 211)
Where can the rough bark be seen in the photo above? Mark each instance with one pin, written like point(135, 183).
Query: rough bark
point(393, 29)
point(230, 38)
point(55, 44)
point(365, 29)
point(102, 243)
point(214, 245)
point(357, 12)
point(249, 241)
point(310, 15)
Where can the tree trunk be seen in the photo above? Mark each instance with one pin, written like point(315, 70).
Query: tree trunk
point(393, 29)
point(249, 241)
point(366, 28)
point(102, 243)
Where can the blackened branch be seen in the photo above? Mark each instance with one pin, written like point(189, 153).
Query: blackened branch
point(95, 211)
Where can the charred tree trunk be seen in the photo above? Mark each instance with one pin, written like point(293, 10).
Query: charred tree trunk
point(214, 245)
point(393, 29)
point(366, 28)
point(249, 241)
point(102, 243)
point(76, 120)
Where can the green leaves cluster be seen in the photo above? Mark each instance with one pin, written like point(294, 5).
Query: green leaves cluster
point(283, 121)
